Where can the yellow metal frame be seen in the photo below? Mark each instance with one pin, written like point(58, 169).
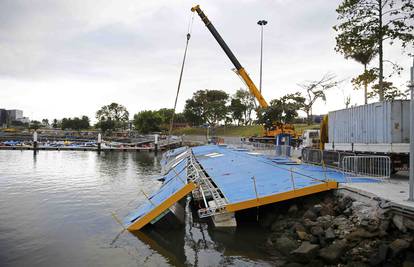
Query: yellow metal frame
point(281, 197)
point(147, 218)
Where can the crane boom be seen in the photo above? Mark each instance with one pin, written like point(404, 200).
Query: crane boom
point(240, 70)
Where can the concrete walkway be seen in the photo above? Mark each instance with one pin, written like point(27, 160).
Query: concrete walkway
point(394, 190)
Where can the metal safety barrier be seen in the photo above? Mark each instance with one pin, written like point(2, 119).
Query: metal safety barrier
point(310, 155)
point(323, 157)
point(262, 148)
point(366, 166)
point(331, 158)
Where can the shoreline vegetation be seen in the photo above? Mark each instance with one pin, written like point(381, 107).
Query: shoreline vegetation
point(232, 130)
point(222, 130)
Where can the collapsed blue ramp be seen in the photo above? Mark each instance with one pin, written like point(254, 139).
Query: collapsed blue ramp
point(174, 188)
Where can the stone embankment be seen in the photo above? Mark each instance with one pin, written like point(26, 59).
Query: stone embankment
point(335, 230)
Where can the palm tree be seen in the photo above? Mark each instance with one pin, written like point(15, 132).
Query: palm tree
point(365, 56)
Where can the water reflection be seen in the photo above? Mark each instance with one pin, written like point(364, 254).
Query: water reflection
point(200, 244)
point(56, 206)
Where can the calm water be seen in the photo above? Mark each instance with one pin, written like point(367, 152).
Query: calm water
point(55, 210)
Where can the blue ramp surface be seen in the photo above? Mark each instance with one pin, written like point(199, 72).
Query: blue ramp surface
point(234, 172)
point(173, 189)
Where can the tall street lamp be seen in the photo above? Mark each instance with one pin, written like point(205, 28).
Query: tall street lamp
point(411, 181)
point(261, 23)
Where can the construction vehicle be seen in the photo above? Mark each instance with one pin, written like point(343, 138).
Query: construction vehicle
point(311, 138)
point(271, 133)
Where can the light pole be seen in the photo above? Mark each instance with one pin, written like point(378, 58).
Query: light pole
point(411, 181)
point(261, 23)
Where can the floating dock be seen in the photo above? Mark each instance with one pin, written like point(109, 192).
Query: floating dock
point(126, 148)
point(225, 180)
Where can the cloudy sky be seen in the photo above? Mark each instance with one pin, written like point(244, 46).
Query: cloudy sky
point(68, 58)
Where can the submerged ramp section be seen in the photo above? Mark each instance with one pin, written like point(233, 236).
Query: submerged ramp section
point(248, 180)
point(174, 188)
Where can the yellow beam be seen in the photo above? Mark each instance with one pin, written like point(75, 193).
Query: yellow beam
point(252, 87)
point(147, 218)
point(281, 197)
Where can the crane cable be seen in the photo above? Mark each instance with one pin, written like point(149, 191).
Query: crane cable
point(190, 27)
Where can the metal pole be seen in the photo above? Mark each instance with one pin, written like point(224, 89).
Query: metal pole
point(261, 58)
point(99, 142)
point(257, 198)
point(156, 143)
point(261, 23)
point(411, 87)
point(35, 141)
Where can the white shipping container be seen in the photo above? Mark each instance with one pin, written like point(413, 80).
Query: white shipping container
point(377, 123)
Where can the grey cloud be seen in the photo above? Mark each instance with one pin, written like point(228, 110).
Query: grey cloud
point(135, 47)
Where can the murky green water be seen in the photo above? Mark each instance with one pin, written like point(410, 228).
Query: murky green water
point(55, 210)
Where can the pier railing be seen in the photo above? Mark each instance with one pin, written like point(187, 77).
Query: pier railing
point(370, 166)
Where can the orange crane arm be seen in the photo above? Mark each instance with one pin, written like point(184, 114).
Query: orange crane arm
point(240, 70)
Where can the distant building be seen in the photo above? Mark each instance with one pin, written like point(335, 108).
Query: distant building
point(12, 117)
point(24, 119)
point(3, 118)
point(14, 114)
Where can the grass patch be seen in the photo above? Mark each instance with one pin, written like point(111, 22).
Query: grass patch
point(245, 131)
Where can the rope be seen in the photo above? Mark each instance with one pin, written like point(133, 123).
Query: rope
point(189, 29)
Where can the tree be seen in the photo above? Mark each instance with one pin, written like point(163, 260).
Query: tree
point(75, 123)
point(390, 92)
point(236, 110)
point(115, 112)
point(106, 125)
point(165, 115)
point(206, 106)
point(248, 101)
point(64, 124)
point(281, 111)
point(55, 123)
point(85, 123)
point(193, 112)
point(45, 122)
point(35, 125)
point(179, 118)
point(364, 56)
point(362, 81)
point(148, 121)
point(315, 90)
point(368, 23)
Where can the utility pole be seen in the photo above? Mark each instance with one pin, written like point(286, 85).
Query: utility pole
point(261, 23)
point(411, 87)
